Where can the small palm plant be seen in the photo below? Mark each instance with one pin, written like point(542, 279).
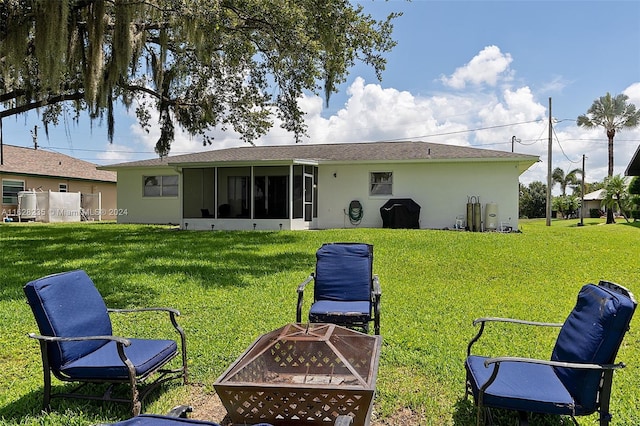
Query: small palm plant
point(616, 195)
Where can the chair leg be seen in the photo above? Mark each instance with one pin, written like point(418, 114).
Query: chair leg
point(523, 418)
point(136, 405)
point(46, 371)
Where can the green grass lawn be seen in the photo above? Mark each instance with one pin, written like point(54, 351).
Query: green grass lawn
point(233, 286)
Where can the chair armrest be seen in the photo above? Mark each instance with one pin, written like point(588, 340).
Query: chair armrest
point(304, 283)
point(483, 321)
point(126, 311)
point(116, 339)
point(584, 366)
point(120, 345)
point(516, 321)
point(300, 291)
point(180, 411)
point(575, 365)
point(173, 313)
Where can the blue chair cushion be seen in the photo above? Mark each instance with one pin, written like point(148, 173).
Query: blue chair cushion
point(335, 311)
point(68, 305)
point(344, 272)
point(520, 386)
point(592, 333)
point(152, 419)
point(104, 363)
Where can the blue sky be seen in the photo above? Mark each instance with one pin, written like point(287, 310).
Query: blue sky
point(463, 72)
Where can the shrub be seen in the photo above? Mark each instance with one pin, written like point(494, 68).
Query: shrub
point(594, 213)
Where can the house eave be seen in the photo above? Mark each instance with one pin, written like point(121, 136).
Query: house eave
point(244, 163)
point(44, 176)
point(633, 169)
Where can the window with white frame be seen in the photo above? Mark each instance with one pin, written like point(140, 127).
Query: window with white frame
point(161, 186)
point(381, 183)
point(62, 187)
point(10, 189)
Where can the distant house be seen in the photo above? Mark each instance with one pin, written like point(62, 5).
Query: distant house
point(593, 201)
point(38, 170)
point(307, 186)
point(633, 169)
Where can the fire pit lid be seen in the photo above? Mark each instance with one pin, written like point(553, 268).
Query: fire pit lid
point(309, 355)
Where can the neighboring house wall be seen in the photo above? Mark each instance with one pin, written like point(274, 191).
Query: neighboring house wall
point(441, 189)
point(43, 170)
point(55, 184)
point(138, 208)
point(591, 204)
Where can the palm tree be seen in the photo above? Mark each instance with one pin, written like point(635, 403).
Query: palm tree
point(613, 114)
point(616, 195)
point(569, 179)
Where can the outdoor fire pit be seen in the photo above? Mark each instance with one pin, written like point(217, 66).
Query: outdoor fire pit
point(303, 374)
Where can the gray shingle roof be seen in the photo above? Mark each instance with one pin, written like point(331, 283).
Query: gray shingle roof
point(40, 162)
point(356, 152)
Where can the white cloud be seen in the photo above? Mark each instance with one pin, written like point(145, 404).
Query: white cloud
point(487, 67)
point(485, 119)
point(633, 92)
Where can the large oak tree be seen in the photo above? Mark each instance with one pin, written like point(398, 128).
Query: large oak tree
point(201, 64)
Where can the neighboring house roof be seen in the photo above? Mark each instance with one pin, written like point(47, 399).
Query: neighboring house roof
point(336, 153)
point(633, 169)
point(40, 162)
point(597, 195)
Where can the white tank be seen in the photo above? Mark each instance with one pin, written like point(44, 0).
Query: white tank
point(491, 217)
point(27, 205)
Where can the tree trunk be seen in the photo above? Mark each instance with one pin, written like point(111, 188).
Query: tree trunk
point(610, 134)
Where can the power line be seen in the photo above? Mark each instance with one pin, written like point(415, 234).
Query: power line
point(464, 131)
point(561, 148)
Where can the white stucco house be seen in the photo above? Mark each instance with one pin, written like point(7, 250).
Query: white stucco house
point(306, 186)
point(593, 201)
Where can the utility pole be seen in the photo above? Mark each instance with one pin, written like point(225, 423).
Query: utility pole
point(34, 136)
point(549, 166)
point(513, 142)
point(582, 192)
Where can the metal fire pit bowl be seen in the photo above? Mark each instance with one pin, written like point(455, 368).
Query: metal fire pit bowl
point(303, 374)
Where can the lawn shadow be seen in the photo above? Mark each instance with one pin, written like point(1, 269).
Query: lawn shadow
point(634, 224)
point(31, 403)
point(115, 257)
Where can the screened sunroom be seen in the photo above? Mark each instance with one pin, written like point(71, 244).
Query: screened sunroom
point(269, 197)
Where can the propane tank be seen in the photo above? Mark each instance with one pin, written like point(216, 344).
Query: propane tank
point(469, 224)
point(491, 216)
point(477, 216)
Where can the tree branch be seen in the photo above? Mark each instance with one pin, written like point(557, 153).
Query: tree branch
point(39, 104)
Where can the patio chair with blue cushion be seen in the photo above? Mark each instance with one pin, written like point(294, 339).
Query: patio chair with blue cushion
point(346, 292)
point(77, 343)
point(577, 380)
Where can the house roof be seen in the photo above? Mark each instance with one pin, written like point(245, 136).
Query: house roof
point(40, 162)
point(597, 195)
point(633, 169)
point(336, 153)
